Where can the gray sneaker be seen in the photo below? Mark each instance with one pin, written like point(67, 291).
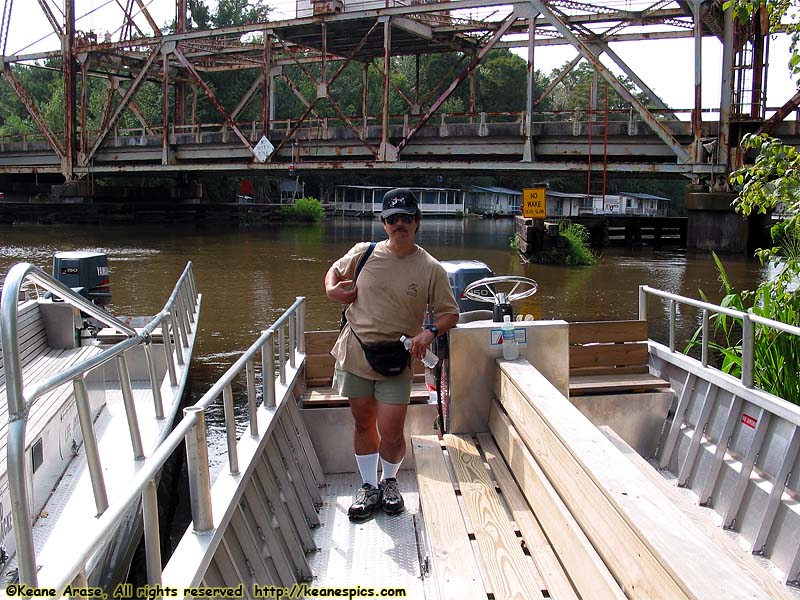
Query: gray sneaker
point(392, 501)
point(368, 498)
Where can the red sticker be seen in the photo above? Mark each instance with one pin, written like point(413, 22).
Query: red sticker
point(749, 421)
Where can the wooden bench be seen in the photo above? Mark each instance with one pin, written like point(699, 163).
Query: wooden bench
point(646, 542)
point(318, 392)
point(609, 357)
point(479, 544)
point(38, 361)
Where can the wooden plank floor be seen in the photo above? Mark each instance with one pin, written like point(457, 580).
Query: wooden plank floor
point(477, 519)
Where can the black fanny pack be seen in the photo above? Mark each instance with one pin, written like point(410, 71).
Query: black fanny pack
point(387, 358)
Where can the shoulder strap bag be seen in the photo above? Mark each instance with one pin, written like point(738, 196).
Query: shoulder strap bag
point(359, 266)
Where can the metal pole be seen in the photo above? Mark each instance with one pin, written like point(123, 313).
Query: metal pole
point(672, 325)
point(152, 541)
point(155, 384)
point(292, 339)
point(70, 99)
point(387, 48)
point(527, 155)
point(747, 351)
point(230, 429)
point(197, 467)
point(282, 354)
point(301, 325)
point(642, 303)
point(165, 107)
point(90, 445)
point(726, 89)
point(130, 407)
point(704, 346)
point(175, 321)
point(697, 113)
point(266, 85)
point(268, 369)
point(166, 334)
point(251, 397)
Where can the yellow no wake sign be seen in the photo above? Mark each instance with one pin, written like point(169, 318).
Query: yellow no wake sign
point(534, 203)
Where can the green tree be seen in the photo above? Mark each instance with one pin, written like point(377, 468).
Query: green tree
point(574, 93)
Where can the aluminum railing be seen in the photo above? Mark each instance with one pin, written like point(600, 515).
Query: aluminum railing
point(287, 334)
point(175, 319)
point(748, 320)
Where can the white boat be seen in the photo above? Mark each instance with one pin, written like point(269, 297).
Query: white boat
point(539, 488)
point(86, 398)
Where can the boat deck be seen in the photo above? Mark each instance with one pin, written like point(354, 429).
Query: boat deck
point(383, 549)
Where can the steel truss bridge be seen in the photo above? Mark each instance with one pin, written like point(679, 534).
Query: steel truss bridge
point(650, 138)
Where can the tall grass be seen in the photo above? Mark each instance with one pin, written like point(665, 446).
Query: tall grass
point(578, 238)
point(775, 366)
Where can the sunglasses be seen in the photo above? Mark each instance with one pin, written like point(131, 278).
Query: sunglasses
point(392, 219)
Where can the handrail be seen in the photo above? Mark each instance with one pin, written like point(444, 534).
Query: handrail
point(20, 400)
point(191, 428)
point(748, 320)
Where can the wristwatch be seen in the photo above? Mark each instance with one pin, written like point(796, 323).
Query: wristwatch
point(433, 329)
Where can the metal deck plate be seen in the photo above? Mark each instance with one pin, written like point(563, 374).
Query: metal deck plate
point(381, 552)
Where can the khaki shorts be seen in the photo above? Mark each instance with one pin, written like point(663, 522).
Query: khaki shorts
point(396, 390)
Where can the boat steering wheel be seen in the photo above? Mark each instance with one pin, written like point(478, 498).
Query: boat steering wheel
point(501, 300)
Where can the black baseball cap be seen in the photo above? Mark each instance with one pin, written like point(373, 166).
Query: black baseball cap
point(397, 201)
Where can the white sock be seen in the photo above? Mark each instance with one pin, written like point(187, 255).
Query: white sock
point(388, 469)
point(368, 467)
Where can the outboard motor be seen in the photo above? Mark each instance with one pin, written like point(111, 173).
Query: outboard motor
point(463, 272)
point(86, 273)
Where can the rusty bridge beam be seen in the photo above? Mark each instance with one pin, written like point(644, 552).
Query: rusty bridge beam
point(504, 26)
point(586, 51)
point(212, 97)
point(124, 103)
point(779, 115)
point(33, 111)
point(51, 17)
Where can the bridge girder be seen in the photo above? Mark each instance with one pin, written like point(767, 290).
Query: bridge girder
point(182, 59)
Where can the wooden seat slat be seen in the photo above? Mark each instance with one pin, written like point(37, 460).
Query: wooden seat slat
point(590, 384)
point(589, 332)
point(508, 570)
point(607, 355)
point(610, 357)
point(456, 572)
point(554, 579)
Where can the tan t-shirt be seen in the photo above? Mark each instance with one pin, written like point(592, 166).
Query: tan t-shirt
point(393, 295)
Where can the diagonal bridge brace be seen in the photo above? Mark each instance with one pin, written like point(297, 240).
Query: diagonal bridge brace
point(334, 105)
point(212, 97)
point(585, 48)
point(123, 103)
point(501, 31)
point(33, 111)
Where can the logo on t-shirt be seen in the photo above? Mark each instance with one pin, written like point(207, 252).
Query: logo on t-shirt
point(412, 289)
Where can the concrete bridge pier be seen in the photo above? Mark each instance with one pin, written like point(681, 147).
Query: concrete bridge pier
point(713, 223)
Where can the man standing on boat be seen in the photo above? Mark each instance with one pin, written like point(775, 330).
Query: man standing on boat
point(395, 286)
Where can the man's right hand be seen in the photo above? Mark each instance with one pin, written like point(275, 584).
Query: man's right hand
point(343, 292)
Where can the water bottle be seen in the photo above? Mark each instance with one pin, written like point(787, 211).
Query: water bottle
point(510, 347)
point(430, 360)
